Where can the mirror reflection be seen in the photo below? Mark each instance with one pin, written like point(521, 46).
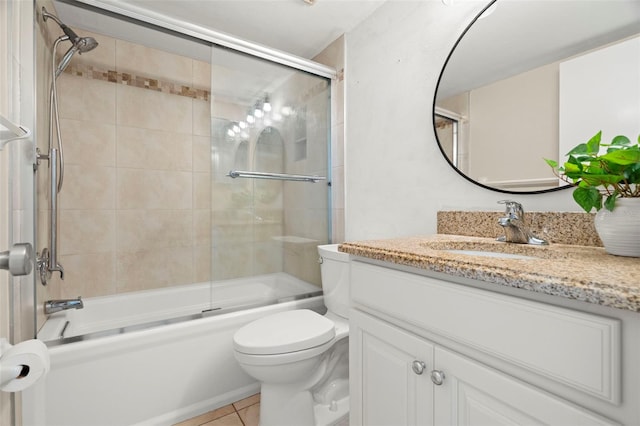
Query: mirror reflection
point(528, 79)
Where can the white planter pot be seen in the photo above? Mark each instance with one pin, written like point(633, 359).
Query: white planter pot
point(619, 230)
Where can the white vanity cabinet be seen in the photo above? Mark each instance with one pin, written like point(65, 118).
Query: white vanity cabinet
point(425, 351)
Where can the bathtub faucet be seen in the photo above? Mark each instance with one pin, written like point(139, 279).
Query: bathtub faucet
point(52, 306)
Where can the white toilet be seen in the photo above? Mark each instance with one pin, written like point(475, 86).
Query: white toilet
point(301, 357)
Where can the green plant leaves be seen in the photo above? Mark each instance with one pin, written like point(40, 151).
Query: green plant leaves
point(588, 198)
point(610, 202)
point(623, 157)
point(614, 174)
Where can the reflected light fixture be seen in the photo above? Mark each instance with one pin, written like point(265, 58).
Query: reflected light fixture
point(257, 111)
point(266, 105)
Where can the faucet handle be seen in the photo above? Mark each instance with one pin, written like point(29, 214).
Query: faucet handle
point(513, 208)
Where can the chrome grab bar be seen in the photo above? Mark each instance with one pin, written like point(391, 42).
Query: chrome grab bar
point(48, 260)
point(277, 176)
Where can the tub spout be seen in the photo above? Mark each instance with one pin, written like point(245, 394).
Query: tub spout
point(52, 306)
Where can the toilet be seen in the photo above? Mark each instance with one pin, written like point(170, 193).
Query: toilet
point(301, 357)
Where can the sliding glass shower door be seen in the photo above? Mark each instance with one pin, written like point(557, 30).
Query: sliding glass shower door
point(270, 168)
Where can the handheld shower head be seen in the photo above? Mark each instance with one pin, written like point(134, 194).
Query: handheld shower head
point(78, 44)
point(81, 45)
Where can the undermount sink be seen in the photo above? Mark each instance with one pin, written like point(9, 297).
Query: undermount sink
point(490, 249)
point(494, 254)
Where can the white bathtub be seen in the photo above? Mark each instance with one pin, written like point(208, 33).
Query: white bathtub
point(156, 374)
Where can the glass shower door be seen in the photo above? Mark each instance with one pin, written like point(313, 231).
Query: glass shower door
point(270, 133)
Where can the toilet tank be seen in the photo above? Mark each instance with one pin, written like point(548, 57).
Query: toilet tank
point(334, 270)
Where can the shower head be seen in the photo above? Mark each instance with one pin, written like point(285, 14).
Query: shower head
point(78, 44)
point(81, 45)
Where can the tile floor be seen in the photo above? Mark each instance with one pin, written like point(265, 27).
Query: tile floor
point(241, 413)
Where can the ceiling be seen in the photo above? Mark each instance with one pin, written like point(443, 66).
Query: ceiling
point(292, 26)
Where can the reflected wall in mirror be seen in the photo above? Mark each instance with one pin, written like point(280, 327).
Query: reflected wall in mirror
point(529, 79)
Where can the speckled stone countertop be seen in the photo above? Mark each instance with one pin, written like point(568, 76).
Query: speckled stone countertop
point(583, 273)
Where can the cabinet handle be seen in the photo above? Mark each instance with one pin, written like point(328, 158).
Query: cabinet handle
point(437, 377)
point(418, 367)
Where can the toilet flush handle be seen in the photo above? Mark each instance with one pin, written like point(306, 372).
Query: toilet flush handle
point(320, 260)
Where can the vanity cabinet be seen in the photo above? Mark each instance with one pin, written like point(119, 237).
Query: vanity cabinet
point(425, 351)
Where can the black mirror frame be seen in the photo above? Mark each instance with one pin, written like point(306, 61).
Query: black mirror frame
point(433, 115)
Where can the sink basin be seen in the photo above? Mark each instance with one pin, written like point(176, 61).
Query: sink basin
point(491, 249)
point(494, 254)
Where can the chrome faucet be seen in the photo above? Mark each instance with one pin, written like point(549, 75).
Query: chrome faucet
point(515, 227)
point(52, 306)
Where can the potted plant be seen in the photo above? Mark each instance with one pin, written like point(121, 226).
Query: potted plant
point(612, 176)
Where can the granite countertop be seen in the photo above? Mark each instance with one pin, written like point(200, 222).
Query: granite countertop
point(583, 273)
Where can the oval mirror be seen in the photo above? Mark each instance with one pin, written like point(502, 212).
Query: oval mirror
point(499, 107)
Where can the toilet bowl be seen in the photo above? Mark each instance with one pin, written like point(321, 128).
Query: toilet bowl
point(301, 358)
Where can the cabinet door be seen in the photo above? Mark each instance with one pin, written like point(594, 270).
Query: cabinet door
point(389, 368)
point(474, 394)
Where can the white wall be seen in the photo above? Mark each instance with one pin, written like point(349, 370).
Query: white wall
point(611, 102)
point(396, 178)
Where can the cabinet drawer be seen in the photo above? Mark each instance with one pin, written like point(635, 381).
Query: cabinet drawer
point(578, 349)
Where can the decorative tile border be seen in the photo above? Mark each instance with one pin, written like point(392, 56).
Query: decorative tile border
point(555, 227)
point(173, 88)
point(129, 79)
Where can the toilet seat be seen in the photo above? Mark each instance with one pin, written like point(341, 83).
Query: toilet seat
point(284, 333)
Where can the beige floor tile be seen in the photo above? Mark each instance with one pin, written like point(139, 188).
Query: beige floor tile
point(250, 415)
point(228, 420)
point(207, 417)
point(243, 403)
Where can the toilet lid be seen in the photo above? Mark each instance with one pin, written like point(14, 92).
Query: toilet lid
point(284, 332)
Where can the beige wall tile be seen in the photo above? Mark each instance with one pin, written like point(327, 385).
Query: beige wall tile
point(153, 189)
point(139, 230)
point(88, 142)
point(201, 190)
point(88, 100)
point(232, 226)
point(148, 109)
point(201, 118)
point(202, 263)
point(153, 63)
point(88, 187)
point(268, 257)
point(201, 75)
point(154, 149)
point(201, 154)
point(88, 275)
point(202, 227)
point(86, 231)
point(231, 260)
point(154, 268)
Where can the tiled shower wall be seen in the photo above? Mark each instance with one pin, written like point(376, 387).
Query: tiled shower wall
point(134, 208)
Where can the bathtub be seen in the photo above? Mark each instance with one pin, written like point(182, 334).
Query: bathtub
point(154, 357)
